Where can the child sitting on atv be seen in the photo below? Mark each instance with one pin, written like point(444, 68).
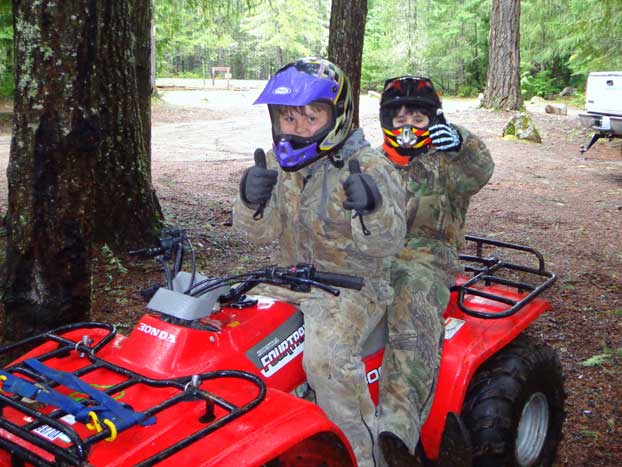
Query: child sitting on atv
point(441, 166)
point(319, 171)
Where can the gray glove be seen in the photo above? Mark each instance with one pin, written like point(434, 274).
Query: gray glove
point(257, 182)
point(362, 193)
point(445, 137)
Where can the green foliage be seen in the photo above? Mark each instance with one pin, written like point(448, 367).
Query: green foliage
point(593, 36)
point(254, 38)
point(114, 263)
point(467, 91)
point(541, 84)
point(570, 38)
point(446, 40)
point(608, 356)
point(6, 48)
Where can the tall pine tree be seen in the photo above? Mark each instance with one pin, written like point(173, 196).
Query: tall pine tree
point(78, 166)
point(503, 88)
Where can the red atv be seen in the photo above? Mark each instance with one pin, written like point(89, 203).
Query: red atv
point(211, 376)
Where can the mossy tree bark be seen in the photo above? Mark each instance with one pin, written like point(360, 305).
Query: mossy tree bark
point(345, 43)
point(126, 207)
point(77, 155)
point(503, 79)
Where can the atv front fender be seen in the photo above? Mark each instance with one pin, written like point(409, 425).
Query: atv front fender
point(282, 430)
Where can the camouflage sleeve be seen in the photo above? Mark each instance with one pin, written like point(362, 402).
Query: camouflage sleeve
point(471, 168)
point(387, 225)
point(261, 231)
point(264, 230)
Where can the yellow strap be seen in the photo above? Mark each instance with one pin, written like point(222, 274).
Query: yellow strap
point(2, 378)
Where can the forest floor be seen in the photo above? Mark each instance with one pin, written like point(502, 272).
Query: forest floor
point(549, 196)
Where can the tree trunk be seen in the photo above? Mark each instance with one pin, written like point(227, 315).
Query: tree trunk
point(152, 61)
point(503, 87)
point(126, 207)
point(51, 167)
point(79, 167)
point(143, 21)
point(345, 43)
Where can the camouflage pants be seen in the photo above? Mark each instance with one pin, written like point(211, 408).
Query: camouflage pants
point(335, 330)
point(412, 356)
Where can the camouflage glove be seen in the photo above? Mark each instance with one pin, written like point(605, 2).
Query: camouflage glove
point(257, 182)
point(362, 193)
point(445, 137)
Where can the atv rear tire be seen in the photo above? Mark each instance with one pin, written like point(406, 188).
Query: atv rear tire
point(514, 407)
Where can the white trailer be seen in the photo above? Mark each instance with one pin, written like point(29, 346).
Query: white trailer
point(603, 106)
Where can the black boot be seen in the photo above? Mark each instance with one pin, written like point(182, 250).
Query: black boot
point(396, 453)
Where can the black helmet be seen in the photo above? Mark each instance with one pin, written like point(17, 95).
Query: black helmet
point(410, 90)
point(403, 143)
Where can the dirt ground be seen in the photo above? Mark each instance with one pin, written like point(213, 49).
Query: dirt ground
point(548, 196)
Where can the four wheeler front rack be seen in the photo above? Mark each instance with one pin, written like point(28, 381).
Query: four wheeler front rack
point(77, 452)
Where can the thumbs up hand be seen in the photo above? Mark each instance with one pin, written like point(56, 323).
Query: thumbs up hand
point(257, 182)
point(362, 193)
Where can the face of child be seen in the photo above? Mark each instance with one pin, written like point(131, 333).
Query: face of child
point(410, 116)
point(304, 121)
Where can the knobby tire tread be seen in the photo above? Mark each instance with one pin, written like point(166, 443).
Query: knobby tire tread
point(491, 409)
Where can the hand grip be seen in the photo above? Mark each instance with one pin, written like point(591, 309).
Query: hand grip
point(338, 280)
point(146, 252)
point(260, 158)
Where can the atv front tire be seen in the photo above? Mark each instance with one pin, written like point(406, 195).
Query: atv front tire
point(514, 407)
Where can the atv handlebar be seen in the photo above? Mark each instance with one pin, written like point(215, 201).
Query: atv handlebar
point(308, 274)
point(300, 278)
point(147, 252)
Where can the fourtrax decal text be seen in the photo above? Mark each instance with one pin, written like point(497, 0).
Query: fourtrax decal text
point(279, 348)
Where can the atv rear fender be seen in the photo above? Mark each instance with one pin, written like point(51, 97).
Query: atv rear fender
point(469, 342)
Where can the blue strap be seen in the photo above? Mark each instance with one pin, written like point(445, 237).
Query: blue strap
point(120, 415)
point(46, 395)
point(106, 408)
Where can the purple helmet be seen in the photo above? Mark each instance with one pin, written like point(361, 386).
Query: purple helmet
point(308, 81)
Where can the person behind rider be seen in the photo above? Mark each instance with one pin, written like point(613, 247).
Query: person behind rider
point(441, 166)
point(319, 172)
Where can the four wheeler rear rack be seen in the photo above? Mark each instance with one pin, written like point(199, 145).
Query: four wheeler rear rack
point(486, 271)
point(76, 454)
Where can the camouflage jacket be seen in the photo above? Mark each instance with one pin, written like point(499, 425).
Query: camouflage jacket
point(306, 215)
point(439, 186)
